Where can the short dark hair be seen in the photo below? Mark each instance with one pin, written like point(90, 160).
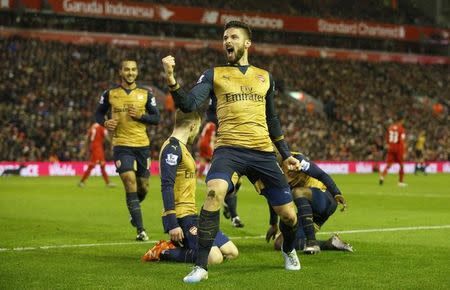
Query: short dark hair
point(239, 24)
point(185, 119)
point(126, 59)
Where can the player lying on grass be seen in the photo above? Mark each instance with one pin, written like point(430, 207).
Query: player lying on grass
point(316, 197)
point(178, 184)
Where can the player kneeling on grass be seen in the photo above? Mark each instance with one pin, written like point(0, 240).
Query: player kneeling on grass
point(316, 196)
point(178, 184)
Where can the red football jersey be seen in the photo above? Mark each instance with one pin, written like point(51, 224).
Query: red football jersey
point(97, 134)
point(208, 134)
point(395, 137)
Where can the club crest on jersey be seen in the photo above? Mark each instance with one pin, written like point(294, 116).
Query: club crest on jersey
point(261, 78)
point(171, 159)
point(304, 165)
point(140, 97)
point(226, 77)
point(118, 163)
point(193, 230)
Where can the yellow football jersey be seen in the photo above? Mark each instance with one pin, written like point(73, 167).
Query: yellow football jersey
point(301, 179)
point(241, 107)
point(177, 168)
point(129, 132)
point(420, 144)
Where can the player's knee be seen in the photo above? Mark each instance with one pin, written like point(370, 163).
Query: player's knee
point(287, 213)
point(215, 194)
point(215, 256)
point(229, 250)
point(289, 218)
point(129, 182)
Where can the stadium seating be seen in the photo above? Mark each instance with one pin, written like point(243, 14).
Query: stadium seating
point(49, 92)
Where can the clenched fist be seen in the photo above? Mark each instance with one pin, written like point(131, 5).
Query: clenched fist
point(291, 164)
point(169, 66)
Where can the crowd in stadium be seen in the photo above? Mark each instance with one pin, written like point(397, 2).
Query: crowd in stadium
point(50, 90)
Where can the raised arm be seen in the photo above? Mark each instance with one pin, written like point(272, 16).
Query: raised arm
point(192, 100)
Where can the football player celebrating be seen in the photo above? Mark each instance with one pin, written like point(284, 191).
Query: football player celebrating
point(316, 196)
point(178, 185)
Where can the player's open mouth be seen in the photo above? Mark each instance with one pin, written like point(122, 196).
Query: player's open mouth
point(230, 50)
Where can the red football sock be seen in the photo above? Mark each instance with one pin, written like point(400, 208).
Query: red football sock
point(87, 172)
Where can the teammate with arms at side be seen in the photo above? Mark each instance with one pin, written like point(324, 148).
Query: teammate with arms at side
point(131, 109)
point(395, 140)
point(419, 150)
point(316, 196)
point(178, 186)
point(95, 142)
point(243, 98)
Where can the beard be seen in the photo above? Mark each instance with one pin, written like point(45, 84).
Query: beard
point(238, 53)
point(127, 82)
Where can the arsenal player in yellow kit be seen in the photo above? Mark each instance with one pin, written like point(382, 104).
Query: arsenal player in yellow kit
point(131, 109)
point(242, 96)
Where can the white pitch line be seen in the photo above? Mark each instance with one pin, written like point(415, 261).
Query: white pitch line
point(404, 194)
point(419, 228)
point(389, 230)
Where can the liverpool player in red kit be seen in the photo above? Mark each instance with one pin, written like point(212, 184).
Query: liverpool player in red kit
point(206, 147)
point(395, 140)
point(96, 137)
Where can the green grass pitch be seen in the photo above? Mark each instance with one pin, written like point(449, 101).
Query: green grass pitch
point(54, 235)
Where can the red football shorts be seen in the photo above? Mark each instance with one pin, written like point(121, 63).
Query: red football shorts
point(394, 156)
point(97, 155)
point(206, 151)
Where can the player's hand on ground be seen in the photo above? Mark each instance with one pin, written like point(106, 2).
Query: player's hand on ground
point(291, 164)
point(341, 200)
point(176, 234)
point(111, 124)
point(134, 113)
point(169, 65)
point(271, 232)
